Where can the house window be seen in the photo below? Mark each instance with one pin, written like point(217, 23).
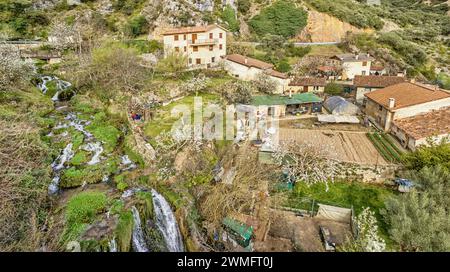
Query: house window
point(195, 48)
point(364, 63)
point(184, 37)
point(176, 37)
point(220, 35)
point(185, 49)
point(198, 61)
point(316, 88)
point(220, 46)
point(213, 59)
point(190, 61)
point(177, 49)
point(380, 108)
point(363, 73)
point(210, 48)
point(210, 35)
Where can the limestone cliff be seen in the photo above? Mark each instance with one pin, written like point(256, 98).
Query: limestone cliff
point(322, 27)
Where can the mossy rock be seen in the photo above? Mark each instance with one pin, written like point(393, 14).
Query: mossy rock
point(146, 205)
point(73, 177)
point(108, 134)
point(77, 138)
point(81, 210)
point(66, 95)
point(124, 231)
point(94, 245)
point(155, 239)
point(81, 157)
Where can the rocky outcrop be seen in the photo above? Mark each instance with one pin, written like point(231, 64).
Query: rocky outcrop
point(165, 14)
point(322, 27)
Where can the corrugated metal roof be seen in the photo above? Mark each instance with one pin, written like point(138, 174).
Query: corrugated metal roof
point(295, 99)
point(243, 230)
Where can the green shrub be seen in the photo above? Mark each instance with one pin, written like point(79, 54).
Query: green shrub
point(283, 66)
point(281, 18)
point(136, 26)
point(229, 16)
point(243, 6)
point(334, 88)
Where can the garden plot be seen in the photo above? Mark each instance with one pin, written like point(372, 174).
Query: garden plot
point(344, 146)
point(304, 232)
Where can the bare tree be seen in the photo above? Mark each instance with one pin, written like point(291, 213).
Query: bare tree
point(307, 162)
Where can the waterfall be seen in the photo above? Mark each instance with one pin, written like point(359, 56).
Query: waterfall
point(61, 85)
point(167, 224)
point(57, 165)
point(97, 149)
point(112, 245)
point(139, 244)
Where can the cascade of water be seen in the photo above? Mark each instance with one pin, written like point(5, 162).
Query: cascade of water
point(97, 149)
point(112, 245)
point(167, 224)
point(138, 241)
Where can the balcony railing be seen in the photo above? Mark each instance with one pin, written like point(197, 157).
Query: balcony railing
point(203, 41)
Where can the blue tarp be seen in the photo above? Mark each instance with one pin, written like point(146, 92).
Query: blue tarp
point(404, 182)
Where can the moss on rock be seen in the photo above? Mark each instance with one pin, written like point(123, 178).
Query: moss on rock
point(124, 231)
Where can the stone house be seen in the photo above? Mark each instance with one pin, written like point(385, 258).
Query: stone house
point(307, 84)
point(403, 100)
point(354, 65)
point(203, 45)
point(366, 84)
point(417, 130)
point(247, 68)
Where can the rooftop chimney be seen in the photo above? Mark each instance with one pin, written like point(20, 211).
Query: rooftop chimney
point(391, 103)
point(245, 60)
point(357, 56)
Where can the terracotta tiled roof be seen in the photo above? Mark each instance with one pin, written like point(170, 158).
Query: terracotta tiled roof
point(249, 62)
point(326, 68)
point(377, 81)
point(406, 94)
point(278, 74)
point(376, 68)
point(308, 81)
point(191, 29)
point(426, 125)
point(354, 58)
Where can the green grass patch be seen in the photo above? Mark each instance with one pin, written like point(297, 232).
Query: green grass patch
point(81, 210)
point(164, 121)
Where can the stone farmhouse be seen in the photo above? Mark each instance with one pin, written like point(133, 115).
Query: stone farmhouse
point(203, 45)
point(367, 84)
point(247, 68)
point(354, 65)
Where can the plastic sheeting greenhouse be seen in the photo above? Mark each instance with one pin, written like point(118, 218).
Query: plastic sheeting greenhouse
point(339, 106)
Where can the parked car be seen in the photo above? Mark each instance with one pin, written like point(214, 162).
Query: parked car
point(327, 239)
